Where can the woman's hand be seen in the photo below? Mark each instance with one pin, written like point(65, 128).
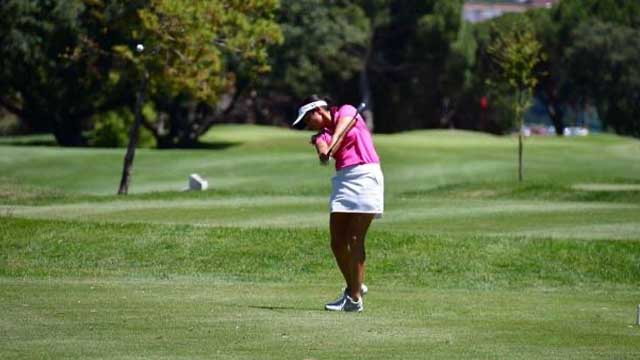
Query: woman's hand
point(324, 158)
point(321, 148)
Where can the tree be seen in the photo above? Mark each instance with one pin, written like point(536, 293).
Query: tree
point(457, 80)
point(390, 53)
point(204, 53)
point(602, 65)
point(322, 52)
point(196, 50)
point(552, 88)
point(408, 67)
point(587, 61)
point(55, 64)
point(378, 15)
point(63, 61)
point(516, 52)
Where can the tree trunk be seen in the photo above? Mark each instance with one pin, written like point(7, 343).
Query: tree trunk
point(520, 155)
point(133, 137)
point(519, 110)
point(554, 108)
point(520, 118)
point(556, 114)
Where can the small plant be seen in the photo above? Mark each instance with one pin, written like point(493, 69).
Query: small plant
point(516, 52)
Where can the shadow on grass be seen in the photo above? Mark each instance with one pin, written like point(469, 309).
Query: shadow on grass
point(29, 142)
point(218, 145)
point(285, 308)
point(46, 140)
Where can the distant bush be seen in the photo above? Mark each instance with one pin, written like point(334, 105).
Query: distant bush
point(9, 124)
point(111, 129)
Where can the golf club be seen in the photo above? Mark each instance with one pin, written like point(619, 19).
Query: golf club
point(359, 109)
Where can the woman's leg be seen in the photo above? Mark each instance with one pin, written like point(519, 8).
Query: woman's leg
point(339, 243)
point(355, 235)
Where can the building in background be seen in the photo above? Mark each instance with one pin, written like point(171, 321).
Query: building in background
point(477, 11)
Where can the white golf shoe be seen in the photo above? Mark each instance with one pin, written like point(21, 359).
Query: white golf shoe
point(345, 303)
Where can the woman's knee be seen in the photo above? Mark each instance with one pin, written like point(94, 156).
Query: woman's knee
point(337, 244)
point(356, 243)
point(356, 240)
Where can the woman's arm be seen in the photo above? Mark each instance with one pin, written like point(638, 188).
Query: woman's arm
point(321, 148)
point(343, 126)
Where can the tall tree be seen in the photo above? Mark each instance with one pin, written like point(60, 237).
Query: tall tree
point(62, 61)
point(552, 88)
point(55, 64)
point(408, 63)
point(378, 14)
point(602, 64)
point(322, 52)
point(555, 31)
point(390, 53)
point(194, 51)
point(199, 52)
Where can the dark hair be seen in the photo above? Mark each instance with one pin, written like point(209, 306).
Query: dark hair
point(314, 97)
point(309, 99)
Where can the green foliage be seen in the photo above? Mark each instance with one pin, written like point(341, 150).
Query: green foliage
point(323, 47)
point(63, 61)
point(570, 13)
point(502, 107)
point(602, 64)
point(576, 69)
point(200, 58)
point(196, 47)
point(441, 26)
point(38, 80)
point(111, 129)
point(409, 62)
point(458, 76)
point(516, 52)
point(465, 44)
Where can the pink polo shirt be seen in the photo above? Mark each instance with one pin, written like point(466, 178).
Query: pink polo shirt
point(357, 145)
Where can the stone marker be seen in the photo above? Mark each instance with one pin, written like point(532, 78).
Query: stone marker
point(197, 183)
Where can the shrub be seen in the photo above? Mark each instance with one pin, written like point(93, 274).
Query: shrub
point(111, 129)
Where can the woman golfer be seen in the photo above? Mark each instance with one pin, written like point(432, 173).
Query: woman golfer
point(357, 189)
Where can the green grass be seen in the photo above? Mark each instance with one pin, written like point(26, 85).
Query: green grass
point(466, 263)
point(45, 248)
point(202, 318)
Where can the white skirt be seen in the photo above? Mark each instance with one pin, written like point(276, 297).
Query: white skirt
point(358, 189)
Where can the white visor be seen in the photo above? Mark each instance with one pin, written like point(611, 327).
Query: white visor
point(306, 108)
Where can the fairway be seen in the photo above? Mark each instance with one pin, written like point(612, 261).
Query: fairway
point(465, 263)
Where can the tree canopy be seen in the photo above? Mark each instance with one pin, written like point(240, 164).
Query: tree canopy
point(67, 65)
point(64, 61)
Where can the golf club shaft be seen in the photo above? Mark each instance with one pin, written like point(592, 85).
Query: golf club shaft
point(359, 109)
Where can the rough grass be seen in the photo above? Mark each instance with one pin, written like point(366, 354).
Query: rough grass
point(45, 248)
point(466, 263)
